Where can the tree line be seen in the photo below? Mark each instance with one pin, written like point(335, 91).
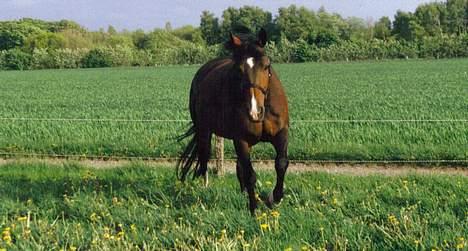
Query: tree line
point(297, 34)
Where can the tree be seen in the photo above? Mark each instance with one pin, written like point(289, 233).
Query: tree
point(141, 40)
point(111, 30)
point(189, 33)
point(383, 28)
point(428, 16)
point(456, 13)
point(297, 23)
point(168, 26)
point(209, 27)
point(333, 25)
point(252, 18)
point(44, 40)
point(14, 34)
point(406, 27)
point(357, 28)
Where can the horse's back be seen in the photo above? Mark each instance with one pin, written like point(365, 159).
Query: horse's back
point(207, 84)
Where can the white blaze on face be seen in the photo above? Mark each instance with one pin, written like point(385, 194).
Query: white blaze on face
point(250, 62)
point(253, 102)
point(253, 108)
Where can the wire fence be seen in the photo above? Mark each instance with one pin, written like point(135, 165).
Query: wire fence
point(151, 158)
point(187, 120)
point(174, 159)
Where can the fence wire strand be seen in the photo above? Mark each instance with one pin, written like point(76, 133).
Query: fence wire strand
point(187, 120)
point(149, 158)
point(173, 159)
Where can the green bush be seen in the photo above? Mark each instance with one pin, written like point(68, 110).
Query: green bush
point(121, 55)
point(189, 53)
point(2, 60)
point(42, 59)
point(281, 52)
point(15, 59)
point(304, 52)
point(97, 58)
point(143, 58)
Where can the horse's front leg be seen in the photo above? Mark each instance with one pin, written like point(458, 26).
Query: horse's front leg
point(280, 142)
point(247, 177)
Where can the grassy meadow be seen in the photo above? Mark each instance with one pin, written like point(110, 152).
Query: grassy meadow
point(425, 90)
point(137, 207)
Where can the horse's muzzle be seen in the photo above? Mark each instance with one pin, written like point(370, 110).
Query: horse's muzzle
point(258, 116)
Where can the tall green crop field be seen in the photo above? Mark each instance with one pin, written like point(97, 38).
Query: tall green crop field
point(323, 97)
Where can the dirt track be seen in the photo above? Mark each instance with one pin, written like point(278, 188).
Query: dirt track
point(334, 168)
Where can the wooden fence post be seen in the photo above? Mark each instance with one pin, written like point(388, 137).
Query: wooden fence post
point(219, 151)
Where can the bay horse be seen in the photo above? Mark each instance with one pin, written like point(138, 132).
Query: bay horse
point(240, 98)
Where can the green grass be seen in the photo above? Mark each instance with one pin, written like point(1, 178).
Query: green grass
point(432, 89)
point(138, 207)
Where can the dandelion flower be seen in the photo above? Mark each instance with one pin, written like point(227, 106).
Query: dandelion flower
point(275, 214)
point(393, 220)
point(460, 243)
point(264, 226)
point(22, 218)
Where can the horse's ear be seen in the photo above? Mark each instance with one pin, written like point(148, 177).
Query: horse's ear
point(262, 38)
point(235, 41)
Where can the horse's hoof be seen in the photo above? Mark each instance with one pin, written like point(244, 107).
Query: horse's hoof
point(269, 201)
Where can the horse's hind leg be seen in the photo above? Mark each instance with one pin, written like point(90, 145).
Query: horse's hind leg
point(247, 174)
point(204, 152)
point(280, 142)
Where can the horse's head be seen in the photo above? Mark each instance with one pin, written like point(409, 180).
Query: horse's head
point(254, 69)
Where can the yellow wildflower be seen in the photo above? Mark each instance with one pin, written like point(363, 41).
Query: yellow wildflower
point(94, 217)
point(133, 227)
point(264, 226)
point(223, 234)
point(72, 248)
point(393, 220)
point(275, 214)
point(263, 215)
point(335, 201)
point(460, 243)
point(22, 218)
point(106, 236)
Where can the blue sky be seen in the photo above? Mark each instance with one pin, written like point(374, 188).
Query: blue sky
point(150, 14)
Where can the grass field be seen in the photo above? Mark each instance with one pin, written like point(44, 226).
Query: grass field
point(52, 207)
point(328, 91)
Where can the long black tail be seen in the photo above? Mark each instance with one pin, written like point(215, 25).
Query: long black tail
point(189, 155)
